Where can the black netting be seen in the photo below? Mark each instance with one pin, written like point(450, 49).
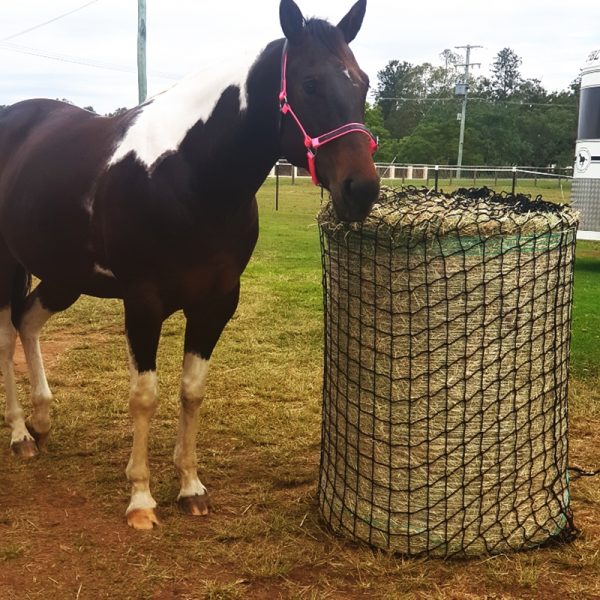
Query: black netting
point(447, 335)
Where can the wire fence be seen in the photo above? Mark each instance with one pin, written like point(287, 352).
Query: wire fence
point(513, 179)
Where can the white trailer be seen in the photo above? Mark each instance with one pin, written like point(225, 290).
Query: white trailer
point(585, 194)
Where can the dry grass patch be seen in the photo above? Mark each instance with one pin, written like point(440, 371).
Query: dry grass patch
point(62, 516)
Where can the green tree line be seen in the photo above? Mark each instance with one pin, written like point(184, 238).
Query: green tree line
point(510, 120)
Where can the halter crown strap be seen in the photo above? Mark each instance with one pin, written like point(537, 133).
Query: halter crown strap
point(312, 144)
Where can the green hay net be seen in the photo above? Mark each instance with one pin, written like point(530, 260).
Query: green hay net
point(447, 336)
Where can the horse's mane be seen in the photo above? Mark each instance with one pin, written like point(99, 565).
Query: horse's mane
point(329, 35)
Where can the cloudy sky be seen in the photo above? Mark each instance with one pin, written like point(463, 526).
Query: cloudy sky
point(553, 37)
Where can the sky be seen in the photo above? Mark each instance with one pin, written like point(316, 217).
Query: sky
point(553, 38)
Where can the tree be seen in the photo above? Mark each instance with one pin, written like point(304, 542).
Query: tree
point(511, 120)
point(374, 121)
point(404, 91)
point(393, 83)
point(116, 112)
point(506, 75)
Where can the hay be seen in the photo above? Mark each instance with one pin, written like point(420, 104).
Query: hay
point(447, 333)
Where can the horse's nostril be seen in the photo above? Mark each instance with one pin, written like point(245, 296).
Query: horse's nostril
point(347, 188)
point(357, 196)
point(358, 190)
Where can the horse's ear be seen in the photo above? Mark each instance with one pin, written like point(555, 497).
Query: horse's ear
point(291, 19)
point(350, 24)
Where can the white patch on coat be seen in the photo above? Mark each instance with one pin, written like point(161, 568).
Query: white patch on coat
point(41, 396)
point(102, 271)
point(193, 384)
point(164, 121)
point(13, 414)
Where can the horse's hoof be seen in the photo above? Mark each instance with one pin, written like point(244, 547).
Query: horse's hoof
point(142, 518)
point(24, 449)
point(195, 505)
point(41, 439)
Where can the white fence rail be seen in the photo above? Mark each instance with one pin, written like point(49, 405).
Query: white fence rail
point(450, 174)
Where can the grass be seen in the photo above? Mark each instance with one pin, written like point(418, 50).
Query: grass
point(586, 316)
point(62, 530)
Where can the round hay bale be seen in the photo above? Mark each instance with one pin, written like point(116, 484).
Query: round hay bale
point(447, 336)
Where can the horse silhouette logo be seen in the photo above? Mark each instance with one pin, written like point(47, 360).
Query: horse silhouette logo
point(582, 160)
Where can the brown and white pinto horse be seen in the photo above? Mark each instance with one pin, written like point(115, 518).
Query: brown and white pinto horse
point(142, 207)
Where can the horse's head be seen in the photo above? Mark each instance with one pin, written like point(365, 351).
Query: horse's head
point(323, 101)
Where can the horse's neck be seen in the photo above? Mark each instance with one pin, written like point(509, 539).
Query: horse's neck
point(164, 122)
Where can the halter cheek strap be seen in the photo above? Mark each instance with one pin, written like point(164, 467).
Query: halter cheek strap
point(313, 144)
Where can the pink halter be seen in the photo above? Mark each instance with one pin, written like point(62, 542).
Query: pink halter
point(313, 144)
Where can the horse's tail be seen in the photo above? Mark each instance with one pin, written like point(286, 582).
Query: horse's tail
point(20, 290)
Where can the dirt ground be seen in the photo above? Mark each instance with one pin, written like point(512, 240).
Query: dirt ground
point(63, 534)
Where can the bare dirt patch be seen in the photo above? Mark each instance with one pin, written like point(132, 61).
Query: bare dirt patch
point(52, 349)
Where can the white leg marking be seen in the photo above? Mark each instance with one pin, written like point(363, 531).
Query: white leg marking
point(143, 400)
point(13, 415)
point(41, 396)
point(193, 382)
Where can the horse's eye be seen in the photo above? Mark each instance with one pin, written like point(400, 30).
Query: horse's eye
point(310, 86)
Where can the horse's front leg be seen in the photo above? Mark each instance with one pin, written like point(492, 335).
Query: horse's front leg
point(205, 324)
point(143, 322)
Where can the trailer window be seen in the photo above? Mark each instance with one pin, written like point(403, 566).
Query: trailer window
point(589, 114)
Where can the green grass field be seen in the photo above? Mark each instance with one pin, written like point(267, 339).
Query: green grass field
point(299, 202)
point(62, 526)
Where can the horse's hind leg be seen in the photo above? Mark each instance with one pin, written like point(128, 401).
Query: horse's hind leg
point(40, 305)
point(21, 441)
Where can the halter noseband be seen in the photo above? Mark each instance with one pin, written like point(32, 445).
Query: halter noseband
point(313, 144)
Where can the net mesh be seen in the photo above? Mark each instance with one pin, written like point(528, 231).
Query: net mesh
point(447, 335)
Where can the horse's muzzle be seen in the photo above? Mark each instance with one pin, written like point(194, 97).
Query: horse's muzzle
point(355, 198)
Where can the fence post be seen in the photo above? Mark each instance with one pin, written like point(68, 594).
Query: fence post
point(514, 180)
point(437, 176)
point(294, 173)
point(277, 185)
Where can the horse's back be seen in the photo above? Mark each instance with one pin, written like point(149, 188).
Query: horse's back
point(21, 122)
point(50, 156)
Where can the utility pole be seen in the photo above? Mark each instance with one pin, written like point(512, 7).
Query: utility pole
point(464, 91)
point(141, 52)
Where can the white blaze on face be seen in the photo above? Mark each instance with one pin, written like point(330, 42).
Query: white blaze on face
point(163, 122)
point(99, 270)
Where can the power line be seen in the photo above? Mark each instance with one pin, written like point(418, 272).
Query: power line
point(14, 35)
point(474, 99)
point(80, 61)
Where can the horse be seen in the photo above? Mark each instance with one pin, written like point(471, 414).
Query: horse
point(134, 207)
